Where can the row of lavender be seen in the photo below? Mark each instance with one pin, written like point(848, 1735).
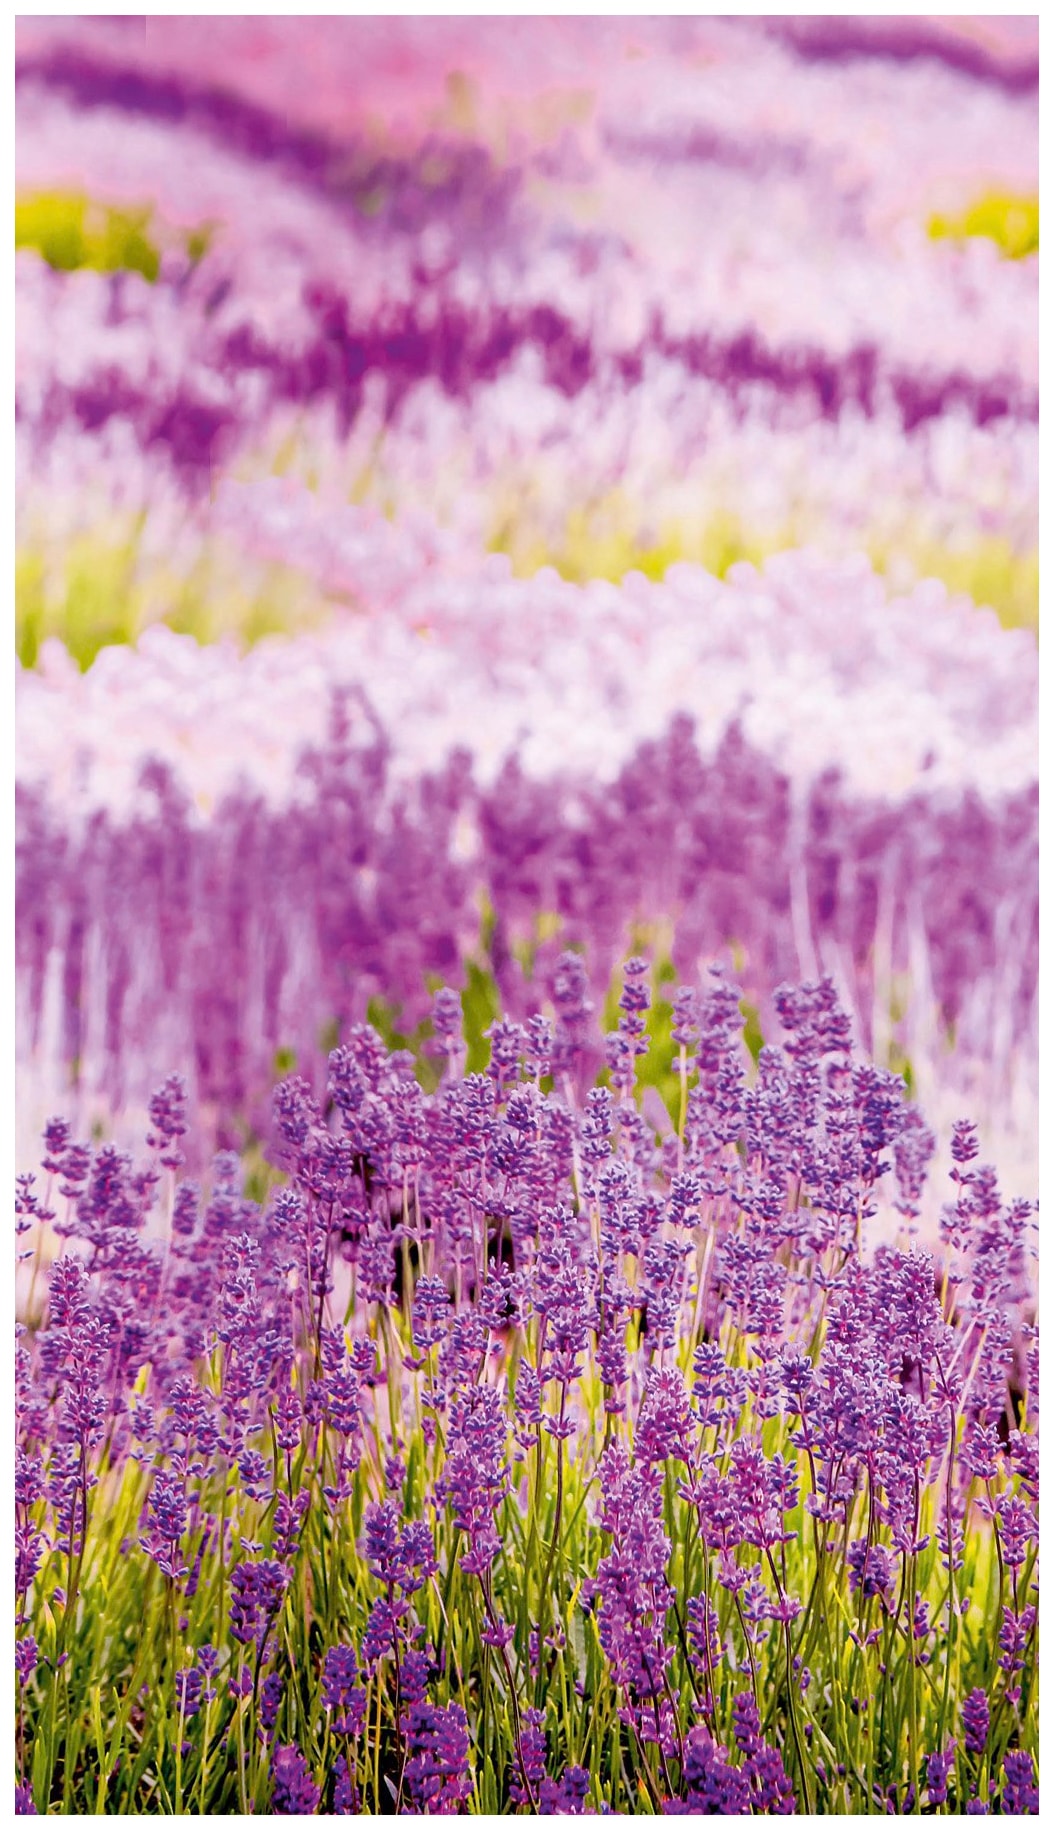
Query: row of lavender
point(497, 301)
point(255, 934)
point(462, 228)
point(221, 857)
point(668, 1492)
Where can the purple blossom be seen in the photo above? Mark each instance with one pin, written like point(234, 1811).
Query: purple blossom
point(628, 1260)
point(685, 1016)
point(1020, 1794)
point(533, 1748)
point(257, 1592)
point(345, 1792)
point(185, 1210)
point(293, 1791)
point(770, 1784)
point(475, 1478)
point(871, 1569)
point(271, 1692)
point(166, 1522)
point(975, 1718)
point(713, 1786)
point(1018, 1529)
point(938, 1767)
point(168, 1119)
point(665, 1424)
point(437, 1771)
point(566, 1798)
point(1013, 1637)
point(631, 1587)
point(341, 1691)
point(188, 1691)
point(381, 1631)
point(430, 1310)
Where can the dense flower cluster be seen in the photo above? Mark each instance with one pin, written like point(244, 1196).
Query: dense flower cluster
point(519, 1444)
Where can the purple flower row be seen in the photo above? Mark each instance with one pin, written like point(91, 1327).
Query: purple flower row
point(231, 940)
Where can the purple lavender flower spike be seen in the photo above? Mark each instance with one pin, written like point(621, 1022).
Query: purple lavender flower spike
point(437, 1773)
point(1020, 1794)
point(293, 1791)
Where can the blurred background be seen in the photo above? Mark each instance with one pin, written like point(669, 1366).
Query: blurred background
point(492, 485)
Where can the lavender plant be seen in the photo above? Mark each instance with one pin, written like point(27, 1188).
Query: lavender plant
point(527, 1445)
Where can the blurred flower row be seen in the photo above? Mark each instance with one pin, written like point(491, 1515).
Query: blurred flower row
point(693, 306)
point(222, 855)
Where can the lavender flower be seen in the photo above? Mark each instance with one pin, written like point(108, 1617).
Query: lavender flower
point(713, 1786)
point(168, 1117)
point(975, 1718)
point(257, 1592)
point(1020, 1794)
point(437, 1774)
point(938, 1767)
point(293, 1791)
point(475, 1477)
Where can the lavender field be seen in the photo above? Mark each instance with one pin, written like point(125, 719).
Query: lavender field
point(527, 916)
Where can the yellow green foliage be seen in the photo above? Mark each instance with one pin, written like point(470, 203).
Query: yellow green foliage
point(989, 569)
point(73, 231)
point(1010, 220)
point(99, 588)
point(606, 540)
point(103, 586)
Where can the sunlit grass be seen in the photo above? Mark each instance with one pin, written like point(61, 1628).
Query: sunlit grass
point(1005, 217)
point(988, 569)
point(606, 541)
point(102, 588)
point(71, 230)
point(102, 585)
